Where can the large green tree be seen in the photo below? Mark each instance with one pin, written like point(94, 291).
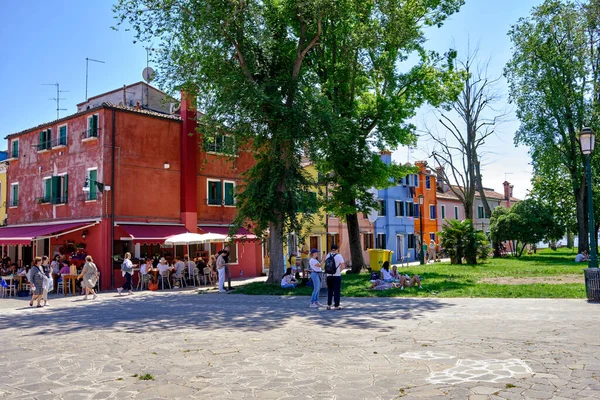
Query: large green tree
point(553, 78)
point(245, 61)
point(370, 92)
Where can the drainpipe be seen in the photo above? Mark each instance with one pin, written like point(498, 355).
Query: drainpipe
point(112, 201)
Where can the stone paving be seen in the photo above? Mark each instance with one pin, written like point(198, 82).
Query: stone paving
point(227, 346)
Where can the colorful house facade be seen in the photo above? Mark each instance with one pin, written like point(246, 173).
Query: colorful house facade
point(147, 175)
point(427, 187)
point(395, 224)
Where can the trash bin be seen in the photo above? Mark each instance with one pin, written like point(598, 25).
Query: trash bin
point(592, 283)
point(377, 257)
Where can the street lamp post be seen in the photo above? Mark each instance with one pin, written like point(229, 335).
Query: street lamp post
point(587, 139)
point(421, 253)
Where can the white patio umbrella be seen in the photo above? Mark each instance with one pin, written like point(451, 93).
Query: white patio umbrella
point(194, 238)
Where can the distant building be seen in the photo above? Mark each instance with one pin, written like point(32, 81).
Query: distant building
point(138, 94)
point(427, 186)
point(3, 185)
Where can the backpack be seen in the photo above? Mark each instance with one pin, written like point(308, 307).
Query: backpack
point(330, 267)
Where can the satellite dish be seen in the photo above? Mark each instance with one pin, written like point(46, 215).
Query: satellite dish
point(148, 74)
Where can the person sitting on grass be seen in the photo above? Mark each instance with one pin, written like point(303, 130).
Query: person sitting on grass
point(385, 273)
point(407, 281)
point(581, 257)
point(381, 284)
point(288, 281)
point(395, 274)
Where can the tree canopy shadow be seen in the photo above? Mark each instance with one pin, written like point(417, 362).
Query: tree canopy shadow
point(171, 311)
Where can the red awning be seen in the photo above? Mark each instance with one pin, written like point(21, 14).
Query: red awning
point(155, 234)
point(23, 235)
point(224, 230)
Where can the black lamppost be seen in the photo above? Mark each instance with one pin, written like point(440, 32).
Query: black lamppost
point(421, 253)
point(587, 139)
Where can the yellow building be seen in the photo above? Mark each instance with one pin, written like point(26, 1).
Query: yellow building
point(3, 187)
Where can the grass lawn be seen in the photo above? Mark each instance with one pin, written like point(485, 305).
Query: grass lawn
point(525, 277)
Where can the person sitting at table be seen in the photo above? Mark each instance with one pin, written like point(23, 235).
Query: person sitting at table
point(288, 281)
point(22, 271)
point(12, 269)
point(146, 267)
point(65, 270)
point(162, 265)
point(4, 270)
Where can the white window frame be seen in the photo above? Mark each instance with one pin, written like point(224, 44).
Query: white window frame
point(61, 189)
point(58, 136)
point(430, 208)
point(223, 193)
point(208, 181)
point(87, 175)
point(18, 149)
point(214, 149)
point(11, 195)
point(456, 214)
point(87, 131)
point(237, 253)
point(482, 212)
point(44, 194)
point(442, 211)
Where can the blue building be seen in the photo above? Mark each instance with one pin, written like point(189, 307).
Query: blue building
point(395, 225)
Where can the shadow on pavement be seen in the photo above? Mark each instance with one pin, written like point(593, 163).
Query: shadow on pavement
point(177, 310)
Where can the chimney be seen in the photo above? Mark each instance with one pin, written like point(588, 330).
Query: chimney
point(439, 174)
point(189, 164)
point(137, 106)
point(507, 192)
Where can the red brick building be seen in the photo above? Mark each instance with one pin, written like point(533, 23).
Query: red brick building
point(158, 178)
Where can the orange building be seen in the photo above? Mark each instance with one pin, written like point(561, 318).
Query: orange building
point(427, 187)
point(148, 175)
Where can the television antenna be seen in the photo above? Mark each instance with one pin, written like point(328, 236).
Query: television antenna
point(87, 60)
point(57, 98)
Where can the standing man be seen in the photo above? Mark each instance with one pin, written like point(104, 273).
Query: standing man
point(305, 258)
point(225, 253)
point(221, 265)
point(334, 281)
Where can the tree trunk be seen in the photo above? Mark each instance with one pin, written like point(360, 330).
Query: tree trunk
point(356, 253)
point(276, 253)
point(570, 240)
point(468, 205)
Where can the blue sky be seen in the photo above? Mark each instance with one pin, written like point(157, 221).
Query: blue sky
point(48, 41)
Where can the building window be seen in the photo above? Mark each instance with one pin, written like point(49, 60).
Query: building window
point(417, 210)
point(432, 236)
point(416, 180)
point(455, 212)
point(428, 182)
point(368, 241)
point(215, 193)
point(224, 144)
point(381, 242)
point(443, 211)
point(15, 149)
point(229, 193)
point(92, 175)
point(381, 211)
point(60, 189)
point(399, 209)
point(410, 209)
point(62, 135)
point(233, 253)
point(14, 194)
point(481, 213)
point(92, 128)
point(46, 190)
point(432, 212)
point(410, 239)
point(45, 140)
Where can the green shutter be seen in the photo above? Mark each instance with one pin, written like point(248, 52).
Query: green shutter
point(15, 195)
point(313, 202)
point(93, 188)
point(15, 145)
point(42, 144)
point(66, 189)
point(93, 126)
point(48, 139)
point(63, 135)
point(55, 190)
point(48, 190)
point(219, 198)
point(229, 193)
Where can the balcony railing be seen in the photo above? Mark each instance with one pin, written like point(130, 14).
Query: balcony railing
point(43, 200)
point(59, 200)
point(50, 144)
point(13, 203)
point(90, 134)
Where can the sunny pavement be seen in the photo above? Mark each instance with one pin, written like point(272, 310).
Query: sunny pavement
point(227, 346)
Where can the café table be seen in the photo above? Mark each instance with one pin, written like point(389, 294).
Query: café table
point(73, 280)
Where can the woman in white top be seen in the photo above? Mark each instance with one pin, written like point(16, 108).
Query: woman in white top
point(127, 270)
point(288, 281)
point(385, 273)
point(315, 276)
point(162, 265)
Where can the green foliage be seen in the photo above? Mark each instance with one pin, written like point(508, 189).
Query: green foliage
point(554, 81)
point(527, 222)
point(460, 240)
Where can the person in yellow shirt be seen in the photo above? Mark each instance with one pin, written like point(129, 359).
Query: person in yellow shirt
point(305, 258)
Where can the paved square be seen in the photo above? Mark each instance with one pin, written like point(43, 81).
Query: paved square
point(226, 346)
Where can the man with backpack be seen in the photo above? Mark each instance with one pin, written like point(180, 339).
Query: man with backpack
point(334, 264)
